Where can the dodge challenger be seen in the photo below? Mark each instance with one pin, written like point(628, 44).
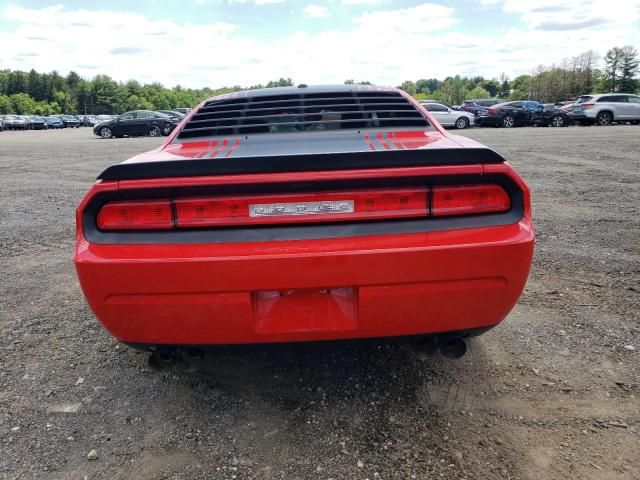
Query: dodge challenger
point(305, 213)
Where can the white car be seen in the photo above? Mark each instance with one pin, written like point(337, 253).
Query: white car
point(448, 117)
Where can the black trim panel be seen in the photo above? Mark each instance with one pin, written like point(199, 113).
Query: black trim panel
point(265, 233)
point(301, 163)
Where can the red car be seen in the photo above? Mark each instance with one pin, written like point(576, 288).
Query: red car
point(304, 214)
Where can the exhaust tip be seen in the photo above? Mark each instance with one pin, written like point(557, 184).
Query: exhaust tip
point(452, 347)
point(160, 361)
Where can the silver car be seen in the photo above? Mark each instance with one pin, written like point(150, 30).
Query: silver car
point(447, 117)
point(605, 108)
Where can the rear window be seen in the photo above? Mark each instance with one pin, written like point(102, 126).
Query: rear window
point(584, 98)
point(303, 112)
point(613, 99)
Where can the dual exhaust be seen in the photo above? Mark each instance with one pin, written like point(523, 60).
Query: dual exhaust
point(449, 346)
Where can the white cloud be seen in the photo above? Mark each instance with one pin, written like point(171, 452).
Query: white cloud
point(315, 11)
point(384, 47)
point(360, 2)
point(257, 2)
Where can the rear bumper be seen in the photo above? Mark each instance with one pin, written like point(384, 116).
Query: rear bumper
point(365, 287)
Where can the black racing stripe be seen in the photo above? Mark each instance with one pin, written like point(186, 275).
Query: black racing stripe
point(301, 163)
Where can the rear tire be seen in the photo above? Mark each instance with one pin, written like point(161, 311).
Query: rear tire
point(508, 122)
point(462, 123)
point(558, 121)
point(604, 118)
point(155, 131)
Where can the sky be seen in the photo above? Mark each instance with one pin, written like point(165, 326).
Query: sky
point(214, 43)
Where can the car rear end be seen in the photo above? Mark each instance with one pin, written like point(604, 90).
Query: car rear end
point(318, 214)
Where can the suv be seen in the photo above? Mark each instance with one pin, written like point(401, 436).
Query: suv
point(605, 108)
point(479, 105)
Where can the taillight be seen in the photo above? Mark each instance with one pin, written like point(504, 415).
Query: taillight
point(587, 104)
point(468, 199)
point(375, 204)
point(307, 207)
point(136, 215)
point(493, 111)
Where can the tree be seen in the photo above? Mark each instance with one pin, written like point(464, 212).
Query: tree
point(5, 104)
point(409, 87)
point(22, 104)
point(505, 87)
point(628, 70)
point(613, 60)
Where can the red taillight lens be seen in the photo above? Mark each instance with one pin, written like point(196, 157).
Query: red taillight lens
point(310, 207)
point(469, 199)
point(493, 111)
point(136, 215)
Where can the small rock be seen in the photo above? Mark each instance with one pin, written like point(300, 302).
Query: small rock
point(92, 455)
point(235, 461)
point(562, 332)
point(499, 441)
point(619, 424)
point(48, 392)
point(15, 429)
point(631, 348)
point(80, 381)
point(360, 464)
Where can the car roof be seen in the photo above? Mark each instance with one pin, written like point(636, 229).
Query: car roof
point(302, 90)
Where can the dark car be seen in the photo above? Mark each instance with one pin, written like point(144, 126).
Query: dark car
point(184, 110)
point(173, 114)
point(90, 121)
point(35, 122)
point(551, 115)
point(479, 105)
point(137, 123)
point(54, 122)
point(510, 114)
point(1, 124)
point(70, 121)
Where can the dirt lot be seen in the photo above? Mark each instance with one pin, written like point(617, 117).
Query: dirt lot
point(551, 393)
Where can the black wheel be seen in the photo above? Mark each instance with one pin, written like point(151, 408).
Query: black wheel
point(508, 122)
point(167, 130)
point(558, 121)
point(604, 118)
point(155, 131)
point(105, 132)
point(462, 123)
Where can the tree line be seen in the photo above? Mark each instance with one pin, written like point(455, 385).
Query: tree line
point(27, 93)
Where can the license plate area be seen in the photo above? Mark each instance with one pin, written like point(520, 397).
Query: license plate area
point(305, 310)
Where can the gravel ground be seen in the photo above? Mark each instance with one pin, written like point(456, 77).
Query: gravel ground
point(551, 393)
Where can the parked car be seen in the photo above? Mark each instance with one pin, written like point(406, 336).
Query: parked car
point(53, 121)
point(515, 114)
point(603, 109)
point(36, 122)
point(15, 122)
point(268, 225)
point(550, 115)
point(448, 117)
point(70, 121)
point(136, 123)
point(183, 111)
point(478, 105)
point(90, 121)
point(1, 124)
point(173, 114)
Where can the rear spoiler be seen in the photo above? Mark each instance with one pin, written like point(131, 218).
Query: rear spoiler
point(301, 163)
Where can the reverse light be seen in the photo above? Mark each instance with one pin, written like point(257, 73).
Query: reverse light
point(469, 199)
